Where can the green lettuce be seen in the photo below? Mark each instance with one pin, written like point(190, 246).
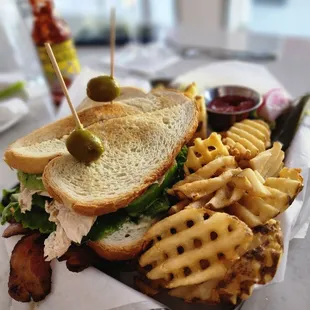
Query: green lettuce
point(146, 200)
point(181, 159)
point(7, 195)
point(159, 206)
point(37, 218)
point(31, 181)
point(107, 224)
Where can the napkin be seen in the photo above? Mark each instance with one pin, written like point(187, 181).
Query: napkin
point(145, 59)
point(89, 289)
point(11, 112)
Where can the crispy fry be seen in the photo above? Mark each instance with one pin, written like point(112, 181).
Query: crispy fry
point(201, 131)
point(178, 206)
point(247, 139)
point(289, 186)
point(204, 292)
point(269, 162)
point(198, 189)
point(204, 151)
point(224, 197)
point(186, 204)
point(257, 266)
point(192, 246)
point(255, 210)
point(291, 173)
point(256, 181)
point(30, 274)
point(216, 166)
point(191, 90)
point(145, 288)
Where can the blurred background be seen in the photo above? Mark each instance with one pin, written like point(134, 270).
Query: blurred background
point(151, 37)
point(88, 19)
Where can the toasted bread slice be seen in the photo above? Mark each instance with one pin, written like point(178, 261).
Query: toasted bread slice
point(138, 150)
point(126, 93)
point(32, 153)
point(155, 100)
point(124, 244)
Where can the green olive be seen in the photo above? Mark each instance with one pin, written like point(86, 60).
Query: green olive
point(103, 88)
point(84, 145)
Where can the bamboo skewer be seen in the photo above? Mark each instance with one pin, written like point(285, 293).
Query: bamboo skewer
point(63, 85)
point(112, 40)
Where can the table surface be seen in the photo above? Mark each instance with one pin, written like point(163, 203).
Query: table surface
point(293, 71)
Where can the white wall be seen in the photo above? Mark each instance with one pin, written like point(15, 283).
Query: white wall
point(292, 18)
point(204, 14)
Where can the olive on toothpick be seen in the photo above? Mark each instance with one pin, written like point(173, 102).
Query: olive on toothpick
point(81, 143)
point(104, 88)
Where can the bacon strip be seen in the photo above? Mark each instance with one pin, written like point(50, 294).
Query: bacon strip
point(15, 229)
point(30, 274)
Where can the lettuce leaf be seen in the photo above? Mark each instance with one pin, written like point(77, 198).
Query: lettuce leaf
point(37, 218)
point(181, 159)
point(31, 181)
point(107, 224)
point(153, 196)
point(1, 208)
point(159, 206)
point(7, 195)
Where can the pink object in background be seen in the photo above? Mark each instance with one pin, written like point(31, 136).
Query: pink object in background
point(275, 102)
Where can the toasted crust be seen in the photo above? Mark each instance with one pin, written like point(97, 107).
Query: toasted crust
point(108, 205)
point(17, 159)
point(117, 253)
point(127, 92)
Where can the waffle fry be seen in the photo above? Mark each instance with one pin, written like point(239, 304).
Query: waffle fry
point(256, 181)
point(290, 182)
point(215, 167)
point(203, 292)
point(270, 162)
point(192, 93)
point(247, 139)
point(255, 210)
point(207, 179)
point(198, 189)
point(145, 288)
point(224, 197)
point(291, 173)
point(186, 204)
point(192, 246)
point(201, 131)
point(178, 207)
point(204, 151)
point(257, 266)
point(191, 90)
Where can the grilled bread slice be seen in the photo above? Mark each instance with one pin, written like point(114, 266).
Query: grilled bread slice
point(126, 93)
point(32, 153)
point(138, 150)
point(125, 243)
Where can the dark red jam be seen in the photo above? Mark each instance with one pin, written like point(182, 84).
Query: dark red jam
point(231, 103)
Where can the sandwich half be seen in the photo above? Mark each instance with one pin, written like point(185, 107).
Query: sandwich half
point(111, 203)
